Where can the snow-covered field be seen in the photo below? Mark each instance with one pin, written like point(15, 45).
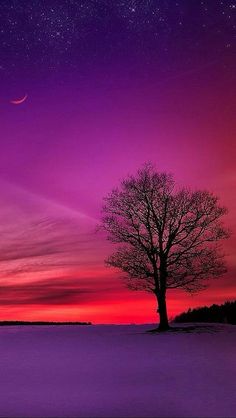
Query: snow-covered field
point(116, 371)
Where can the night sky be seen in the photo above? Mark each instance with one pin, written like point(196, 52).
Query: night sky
point(110, 84)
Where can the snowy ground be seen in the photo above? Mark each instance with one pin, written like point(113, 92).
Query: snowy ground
point(117, 371)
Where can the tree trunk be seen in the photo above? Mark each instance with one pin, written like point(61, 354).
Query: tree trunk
point(162, 310)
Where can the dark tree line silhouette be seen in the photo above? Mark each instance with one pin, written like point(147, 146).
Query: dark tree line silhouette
point(225, 313)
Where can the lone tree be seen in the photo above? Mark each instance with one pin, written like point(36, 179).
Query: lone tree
point(170, 236)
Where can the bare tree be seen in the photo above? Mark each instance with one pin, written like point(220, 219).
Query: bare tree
point(170, 237)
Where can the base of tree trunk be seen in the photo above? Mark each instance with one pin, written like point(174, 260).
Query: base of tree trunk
point(160, 329)
point(164, 327)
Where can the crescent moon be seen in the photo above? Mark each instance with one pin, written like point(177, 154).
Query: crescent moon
point(19, 101)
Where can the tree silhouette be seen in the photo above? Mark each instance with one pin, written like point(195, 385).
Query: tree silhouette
point(225, 313)
point(170, 236)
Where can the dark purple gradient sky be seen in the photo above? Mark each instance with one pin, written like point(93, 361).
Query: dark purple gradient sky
point(110, 84)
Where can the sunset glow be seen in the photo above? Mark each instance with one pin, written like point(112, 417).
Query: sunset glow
point(101, 103)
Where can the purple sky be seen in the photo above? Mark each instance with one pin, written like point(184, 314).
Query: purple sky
point(110, 84)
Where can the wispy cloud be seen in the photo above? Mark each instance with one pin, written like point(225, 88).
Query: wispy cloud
point(50, 255)
point(38, 235)
point(42, 244)
point(52, 291)
point(55, 290)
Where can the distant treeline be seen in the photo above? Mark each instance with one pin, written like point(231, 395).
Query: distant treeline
point(225, 313)
point(2, 323)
